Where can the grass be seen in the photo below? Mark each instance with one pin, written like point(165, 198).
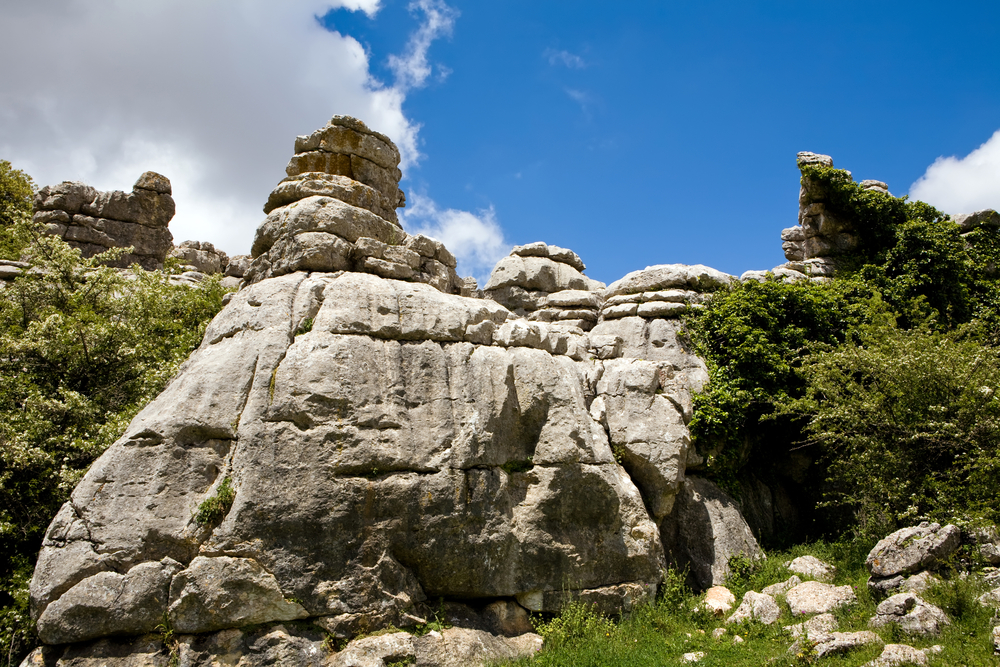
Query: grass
point(660, 632)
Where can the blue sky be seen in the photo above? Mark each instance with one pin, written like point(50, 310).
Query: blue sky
point(634, 133)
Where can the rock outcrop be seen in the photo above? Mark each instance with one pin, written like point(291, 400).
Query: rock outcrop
point(95, 221)
point(336, 212)
point(545, 283)
point(371, 440)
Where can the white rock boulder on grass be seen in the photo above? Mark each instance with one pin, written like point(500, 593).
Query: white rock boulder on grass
point(719, 600)
point(810, 566)
point(814, 597)
point(912, 614)
point(912, 549)
point(756, 607)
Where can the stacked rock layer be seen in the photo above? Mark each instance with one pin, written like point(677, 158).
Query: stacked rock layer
point(95, 221)
point(546, 283)
point(336, 211)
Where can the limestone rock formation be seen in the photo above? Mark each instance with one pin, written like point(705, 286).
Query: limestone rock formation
point(911, 613)
point(821, 233)
point(336, 212)
point(372, 440)
point(201, 256)
point(546, 283)
point(94, 221)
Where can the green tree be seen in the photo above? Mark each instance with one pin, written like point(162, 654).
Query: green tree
point(908, 422)
point(83, 347)
point(17, 192)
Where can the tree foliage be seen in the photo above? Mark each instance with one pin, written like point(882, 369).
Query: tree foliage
point(886, 370)
point(17, 192)
point(83, 347)
point(908, 421)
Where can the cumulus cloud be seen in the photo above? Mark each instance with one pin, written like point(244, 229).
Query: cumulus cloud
point(210, 94)
point(962, 185)
point(564, 58)
point(476, 239)
point(413, 68)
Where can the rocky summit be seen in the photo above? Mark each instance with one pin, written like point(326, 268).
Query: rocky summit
point(364, 440)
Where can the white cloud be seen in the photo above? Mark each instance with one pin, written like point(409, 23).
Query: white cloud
point(475, 239)
point(963, 185)
point(565, 58)
point(412, 69)
point(211, 94)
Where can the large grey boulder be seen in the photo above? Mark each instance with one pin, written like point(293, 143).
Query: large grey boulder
point(912, 549)
point(814, 597)
point(665, 276)
point(704, 530)
point(202, 255)
point(756, 607)
point(108, 603)
point(378, 459)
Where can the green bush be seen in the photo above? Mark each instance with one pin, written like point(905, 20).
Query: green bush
point(83, 348)
point(908, 422)
point(17, 192)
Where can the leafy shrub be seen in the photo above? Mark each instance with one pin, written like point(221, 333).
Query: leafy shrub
point(214, 508)
point(83, 348)
point(577, 622)
point(909, 423)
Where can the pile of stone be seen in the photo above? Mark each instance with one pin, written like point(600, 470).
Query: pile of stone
point(821, 235)
point(336, 212)
point(201, 256)
point(546, 283)
point(95, 221)
point(662, 291)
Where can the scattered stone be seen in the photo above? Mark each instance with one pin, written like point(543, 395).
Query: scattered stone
point(781, 588)
point(758, 607)
point(816, 626)
point(841, 642)
point(996, 640)
point(692, 657)
point(909, 550)
point(913, 615)
point(719, 633)
point(810, 566)
point(719, 600)
point(814, 597)
point(990, 598)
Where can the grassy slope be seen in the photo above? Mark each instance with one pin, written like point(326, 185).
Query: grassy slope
point(661, 633)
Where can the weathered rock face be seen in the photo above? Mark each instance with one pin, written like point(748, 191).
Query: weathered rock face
point(702, 510)
point(388, 441)
point(820, 232)
point(336, 211)
point(94, 221)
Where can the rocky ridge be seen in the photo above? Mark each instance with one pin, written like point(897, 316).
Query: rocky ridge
point(391, 436)
point(387, 441)
point(95, 221)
